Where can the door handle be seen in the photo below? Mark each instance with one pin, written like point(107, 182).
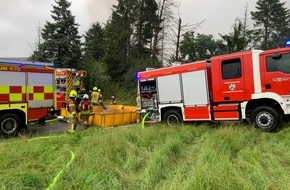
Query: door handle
point(226, 98)
point(268, 86)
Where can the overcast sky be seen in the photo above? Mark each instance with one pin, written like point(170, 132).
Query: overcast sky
point(20, 19)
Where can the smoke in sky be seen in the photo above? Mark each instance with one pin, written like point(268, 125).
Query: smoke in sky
point(99, 10)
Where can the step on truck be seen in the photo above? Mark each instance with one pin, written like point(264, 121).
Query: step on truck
point(251, 85)
point(27, 94)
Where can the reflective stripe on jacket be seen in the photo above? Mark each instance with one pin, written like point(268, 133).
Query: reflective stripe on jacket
point(71, 106)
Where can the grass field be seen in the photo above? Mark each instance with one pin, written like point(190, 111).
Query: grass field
point(157, 157)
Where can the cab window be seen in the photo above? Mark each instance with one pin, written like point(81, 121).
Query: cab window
point(278, 63)
point(231, 69)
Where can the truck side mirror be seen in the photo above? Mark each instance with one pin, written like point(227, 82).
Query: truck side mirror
point(276, 56)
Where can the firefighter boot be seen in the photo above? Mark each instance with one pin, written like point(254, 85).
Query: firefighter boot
point(72, 129)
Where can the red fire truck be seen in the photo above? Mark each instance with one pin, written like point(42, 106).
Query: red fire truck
point(27, 93)
point(251, 85)
point(67, 79)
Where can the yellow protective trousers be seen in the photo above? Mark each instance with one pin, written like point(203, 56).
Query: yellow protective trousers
point(73, 122)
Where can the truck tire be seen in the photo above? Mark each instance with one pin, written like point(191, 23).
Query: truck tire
point(172, 117)
point(266, 118)
point(10, 124)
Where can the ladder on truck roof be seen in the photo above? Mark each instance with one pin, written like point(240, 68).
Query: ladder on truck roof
point(26, 63)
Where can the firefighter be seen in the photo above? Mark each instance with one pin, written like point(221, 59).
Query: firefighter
point(138, 102)
point(85, 108)
point(72, 111)
point(113, 100)
point(83, 91)
point(100, 99)
point(95, 96)
point(78, 99)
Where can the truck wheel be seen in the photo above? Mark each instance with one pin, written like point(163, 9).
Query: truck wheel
point(172, 117)
point(10, 124)
point(266, 118)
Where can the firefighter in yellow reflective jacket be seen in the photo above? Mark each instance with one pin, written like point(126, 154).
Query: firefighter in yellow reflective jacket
point(95, 96)
point(72, 111)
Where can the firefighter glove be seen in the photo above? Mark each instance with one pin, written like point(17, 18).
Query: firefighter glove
point(74, 113)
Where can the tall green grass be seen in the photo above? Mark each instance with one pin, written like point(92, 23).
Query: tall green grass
point(157, 157)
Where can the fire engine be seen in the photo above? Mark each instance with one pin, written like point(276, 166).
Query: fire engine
point(27, 93)
point(67, 79)
point(251, 85)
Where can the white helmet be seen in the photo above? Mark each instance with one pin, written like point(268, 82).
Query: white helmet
point(86, 96)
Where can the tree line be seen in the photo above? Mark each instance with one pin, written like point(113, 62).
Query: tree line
point(143, 33)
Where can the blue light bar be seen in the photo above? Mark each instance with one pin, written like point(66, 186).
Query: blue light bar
point(138, 76)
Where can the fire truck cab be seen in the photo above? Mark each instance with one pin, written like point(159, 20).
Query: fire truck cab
point(251, 85)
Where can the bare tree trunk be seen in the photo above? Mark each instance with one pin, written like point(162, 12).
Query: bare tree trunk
point(158, 29)
point(178, 38)
point(162, 44)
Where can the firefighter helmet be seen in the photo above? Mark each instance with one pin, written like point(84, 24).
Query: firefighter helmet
point(95, 88)
point(73, 94)
point(86, 96)
point(99, 90)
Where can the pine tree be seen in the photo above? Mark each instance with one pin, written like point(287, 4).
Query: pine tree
point(93, 54)
point(144, 24)
point(207, 46)
point(237, 40)
point(188, 47)
point(199, 47)
point(129, 34)
point(271, 23)
point(94, 42)
point(118, 39)
point(61, 42)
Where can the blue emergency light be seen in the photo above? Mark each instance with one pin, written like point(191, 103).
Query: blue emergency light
point(138, 76)
point(287, 43)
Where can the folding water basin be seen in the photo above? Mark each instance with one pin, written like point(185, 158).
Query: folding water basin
point(114, 115)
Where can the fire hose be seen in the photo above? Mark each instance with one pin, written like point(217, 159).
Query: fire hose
point(55, 179)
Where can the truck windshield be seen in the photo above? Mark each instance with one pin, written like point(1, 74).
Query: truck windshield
point(281, 63)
